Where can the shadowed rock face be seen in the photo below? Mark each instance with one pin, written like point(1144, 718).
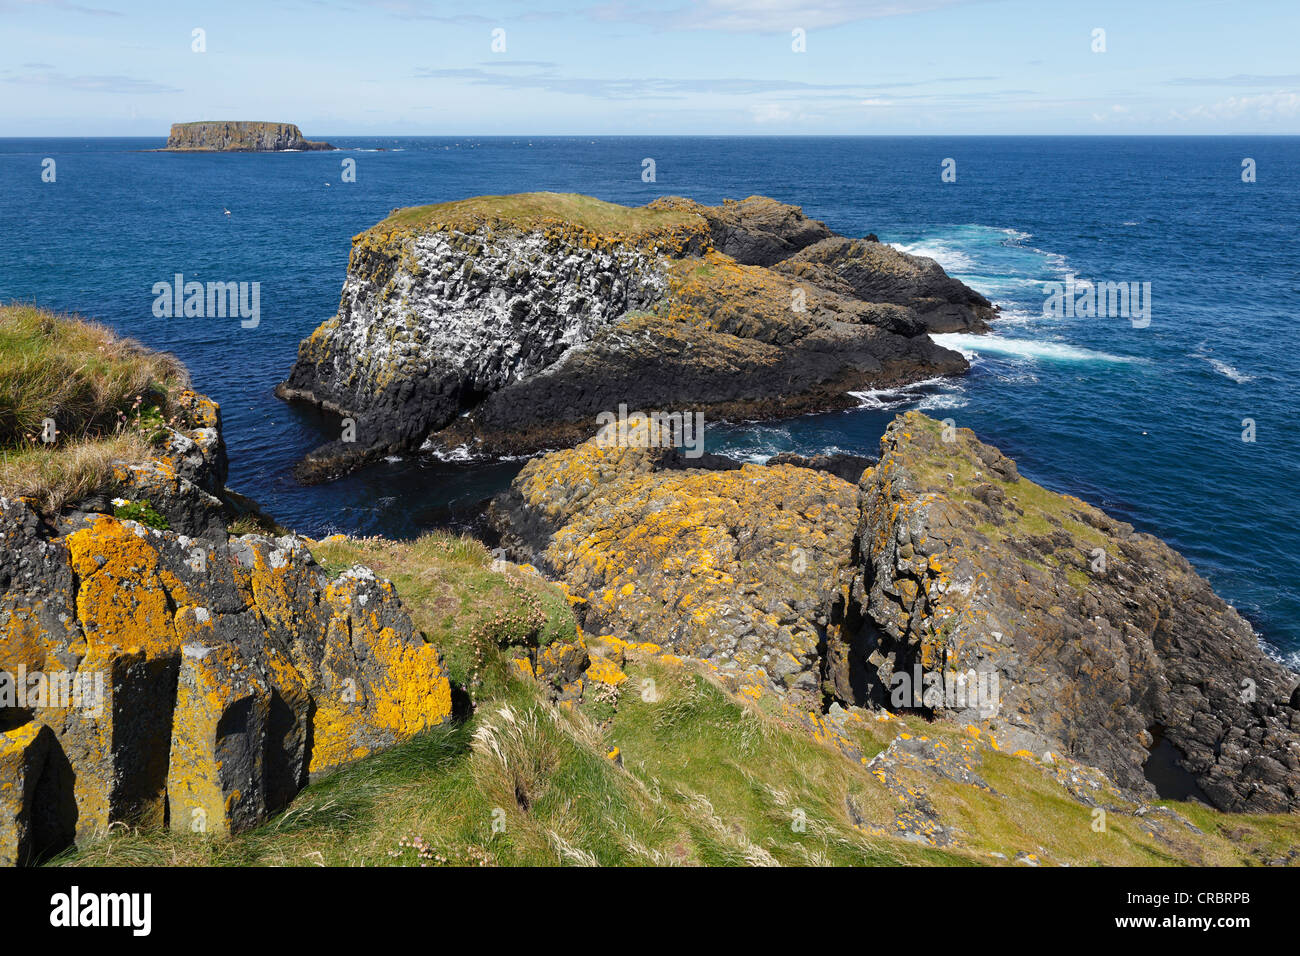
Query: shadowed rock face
point(1105, 641)
point(239, 137)
point(509, 334)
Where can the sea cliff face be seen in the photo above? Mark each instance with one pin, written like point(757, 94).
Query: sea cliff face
point(239, 137)
point(1109, 647)
point(1099, 643)
point(506, 324)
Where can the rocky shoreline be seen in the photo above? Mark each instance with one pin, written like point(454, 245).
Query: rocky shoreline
point(836, 597)
point(507, 324)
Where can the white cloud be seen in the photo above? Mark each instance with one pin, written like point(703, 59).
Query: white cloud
point(1264, 106)
point(771, 113)
point(767, 16)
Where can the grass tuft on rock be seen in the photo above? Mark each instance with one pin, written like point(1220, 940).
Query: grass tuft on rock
point(107, 397)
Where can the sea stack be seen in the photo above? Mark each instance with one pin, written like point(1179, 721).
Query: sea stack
point(506, 324)
point(239, 137)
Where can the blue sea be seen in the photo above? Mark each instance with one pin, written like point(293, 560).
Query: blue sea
point(1146, 422)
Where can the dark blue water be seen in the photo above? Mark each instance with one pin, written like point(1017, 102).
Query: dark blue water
point(1145, 422)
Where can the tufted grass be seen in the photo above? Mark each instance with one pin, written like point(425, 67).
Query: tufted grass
point(79, 373)
point(85, 378)
point(54, 476)
point(529, 210)
point(458, 600)
point(701, 778)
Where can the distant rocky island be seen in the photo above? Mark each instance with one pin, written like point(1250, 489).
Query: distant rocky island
point(239, 137)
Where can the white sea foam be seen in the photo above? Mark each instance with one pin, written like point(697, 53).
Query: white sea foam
point(974, 345)
point(952, 260)
point(1227, 371)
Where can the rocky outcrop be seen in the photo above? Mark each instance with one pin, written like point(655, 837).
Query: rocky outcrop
point(184, 480)
point(507, 324)
point(239, 137)
point(947, 584)
point(1106, 644)
point(190, 682)
point(733, 565)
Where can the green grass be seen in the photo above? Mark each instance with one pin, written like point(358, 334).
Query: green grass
point(458, 600)
point(143, 512)
point(529, 210)
point(702, 779)
point(106, 395)
point(79, 374)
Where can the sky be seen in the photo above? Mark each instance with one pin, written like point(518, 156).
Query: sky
point(676, 67)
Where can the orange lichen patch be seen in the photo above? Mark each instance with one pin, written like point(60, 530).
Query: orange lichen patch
point(718, 294)
point(665, 557)
point(215, 770)
point(638, 647)
point(605, 671)
point(20, 757)
point(525, 667)
point(121, 600)
point(397, 688)
point(273, 580)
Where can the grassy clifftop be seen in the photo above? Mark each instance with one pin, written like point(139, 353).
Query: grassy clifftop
point(529, 211)
point(106, 396)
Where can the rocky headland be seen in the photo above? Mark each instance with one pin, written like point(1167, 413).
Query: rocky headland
point(239, 137)
point(168, 656)
point(1103, 644)
point(507, 324)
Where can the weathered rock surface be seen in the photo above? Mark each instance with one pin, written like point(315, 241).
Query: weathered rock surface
point(185, 480)
point(36, 815)
point(506, 324)
point(1105, 644)
point(216, 674)
point(239, 137)
point(732, 565)
point(1105, 641)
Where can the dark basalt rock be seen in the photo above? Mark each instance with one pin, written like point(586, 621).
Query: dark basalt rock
point(874, 272)
point(757, 231)
point(1106, 642)
point(841, 465)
